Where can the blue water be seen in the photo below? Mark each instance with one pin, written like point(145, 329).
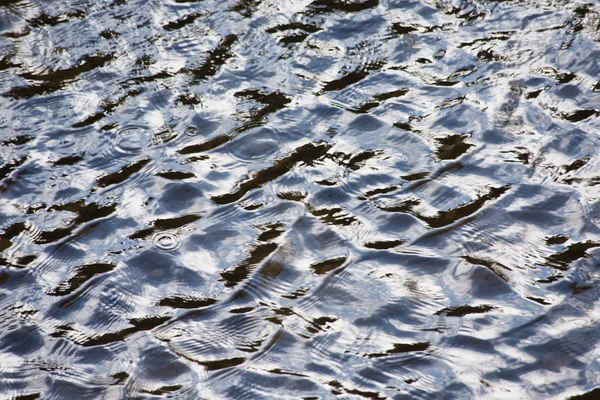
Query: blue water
point(299, 200)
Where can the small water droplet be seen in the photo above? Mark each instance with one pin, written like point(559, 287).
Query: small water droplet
point(191, 130)
point(166, 241)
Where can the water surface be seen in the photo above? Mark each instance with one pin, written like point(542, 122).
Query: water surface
point(321, 199)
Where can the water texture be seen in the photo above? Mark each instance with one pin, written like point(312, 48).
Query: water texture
point(297, 199)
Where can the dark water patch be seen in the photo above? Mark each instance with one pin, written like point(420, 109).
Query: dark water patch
point(326, 182)
point(163, 224)
point(405, 206)
point(490, 37)
point(240, 272)
point(539, 300)
point(294, 26)
point(150, 78)
point(560, 77)
point(461, 311)
point(320, 324)
point(300, 32)
point(82, 274)
point(185, 302)
point(270, 232)
point(384, 244)
point(573, 252)
point(352, 77)
point(533, 94)
point(17, 140)
point(296, 294)
point(451, 102)
point(183, 21)
point(10, 166)
point(415, 177)
point(206, 146)
point(68, 160)
point(496, 267)
point(378, 100)
point(402, 348)
point(31, 396)
point(188, 100)
point(9, 233)
point(221, 364)
point(253, 207)
point(364, 393)
point(175, 175)
point(358, 161)
point(326, 266)
point(333, 216)
point(556, 240)
point(163, 390)
point(576, 181)
point(121, 175)
point(381, 191)
point(280, 372)
point(272, 102)
point(353, 161)
point(306, 154)
point(578, 115)
point(452, 147)
point(246, 7)
point(6, 63)
point(592, 394)
point(390, 95)
point(575, 165)
point(109, 34)
point(46, 20)
point(251, 347)
point(106, 108)
point(138, 325)
point(271, 269)
point(521, 156)
point(450, 167)
point(19, 262)
point(403, 29)
point(443, 218)
point(56, 80)
point(215, 59)
point(329, 6)
point(85, 213)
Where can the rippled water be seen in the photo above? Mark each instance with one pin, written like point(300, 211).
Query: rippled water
point(299, 199)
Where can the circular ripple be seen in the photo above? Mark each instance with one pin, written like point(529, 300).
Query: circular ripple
point(257, 145)
point(191, 130)
point(132, 139)
point(166, 241)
